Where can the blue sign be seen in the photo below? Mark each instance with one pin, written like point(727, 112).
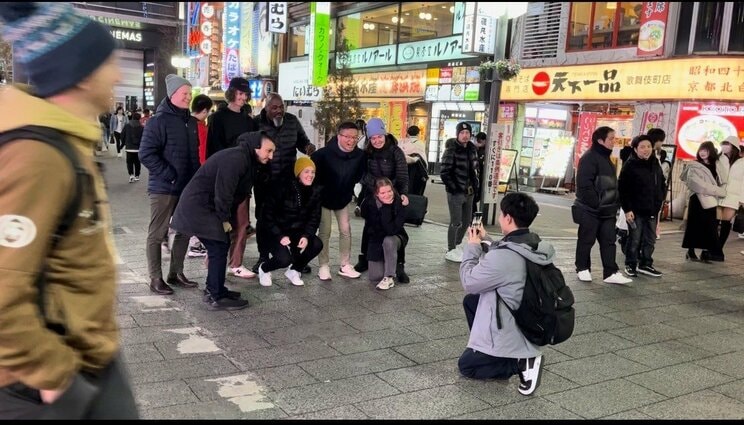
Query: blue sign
point(256, 88)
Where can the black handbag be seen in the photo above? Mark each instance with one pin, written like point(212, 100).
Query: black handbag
point(738, 226)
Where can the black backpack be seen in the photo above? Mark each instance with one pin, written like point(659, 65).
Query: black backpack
point(83, 183)
point(546, 314)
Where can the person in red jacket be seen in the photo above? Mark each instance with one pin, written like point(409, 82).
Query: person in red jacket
point(200, 107)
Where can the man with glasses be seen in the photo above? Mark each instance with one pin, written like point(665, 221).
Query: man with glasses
point(339, 166)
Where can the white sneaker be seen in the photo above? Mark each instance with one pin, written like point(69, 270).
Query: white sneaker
point(741, 235)
point(386, 283)
point(324, 273)
point(584, 276)
point(531, 374)
point(264, 278)
point(454, 255)
point(294, 277)
point(118, 155)
point(242, 272)
point(349, 271)
point(618, 279)
point(131, 179)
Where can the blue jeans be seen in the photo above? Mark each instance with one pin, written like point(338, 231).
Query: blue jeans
point(217, 255)
point(641, 242)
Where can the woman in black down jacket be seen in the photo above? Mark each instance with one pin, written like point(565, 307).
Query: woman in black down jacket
point(292, 215)
point(384, 216)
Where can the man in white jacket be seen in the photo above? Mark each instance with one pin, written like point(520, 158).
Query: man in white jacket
point(494, 353)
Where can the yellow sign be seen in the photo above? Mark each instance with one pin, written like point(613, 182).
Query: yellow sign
point(675, 79)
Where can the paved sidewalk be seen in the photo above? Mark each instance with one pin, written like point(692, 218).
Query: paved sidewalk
point(658, 348)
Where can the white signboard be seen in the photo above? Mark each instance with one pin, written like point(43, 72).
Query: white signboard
point(370, 56)
point(481, 27)
point(294, 83)
point(459, 15)
point(277, 17)
point(439, 49)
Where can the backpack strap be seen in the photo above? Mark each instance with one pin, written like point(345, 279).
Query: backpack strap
point(56, 139)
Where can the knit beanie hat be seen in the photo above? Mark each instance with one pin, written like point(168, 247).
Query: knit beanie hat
point(173, 82)
point(302, 163)
point(375, 127)
point(464, 126)
point(56, 47)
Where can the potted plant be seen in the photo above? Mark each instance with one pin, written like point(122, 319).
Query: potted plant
point(504, 69)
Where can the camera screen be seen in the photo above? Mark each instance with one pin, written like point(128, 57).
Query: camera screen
point(477, 219)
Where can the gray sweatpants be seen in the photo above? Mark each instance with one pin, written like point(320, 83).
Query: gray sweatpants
point(379, 269)
point(161, 210)
point(461, 215)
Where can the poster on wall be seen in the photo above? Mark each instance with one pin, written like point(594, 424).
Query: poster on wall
point(508, 159)
point(698, 122)
point(652, 27)
point(587, 125)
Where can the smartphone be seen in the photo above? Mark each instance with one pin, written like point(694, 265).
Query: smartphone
point(477, 219)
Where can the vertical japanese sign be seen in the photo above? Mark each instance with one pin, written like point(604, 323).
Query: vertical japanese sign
point(320, 26)
point(653, 28)
point(231, 59)
point(480, 29)
point(211, 28)
point(458, 10)
point(493, 164)
point(587, 124)
point(651, 120)
point(277, 18)
point(398, 117)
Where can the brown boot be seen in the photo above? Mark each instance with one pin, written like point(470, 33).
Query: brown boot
point(181, 280)
point(159, 286)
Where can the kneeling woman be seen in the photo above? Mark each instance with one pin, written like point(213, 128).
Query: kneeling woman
point(384, 219)
point(292, 215)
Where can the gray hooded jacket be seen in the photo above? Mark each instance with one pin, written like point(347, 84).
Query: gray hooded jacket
point(504, 268)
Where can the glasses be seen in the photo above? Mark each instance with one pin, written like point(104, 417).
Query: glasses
point(347, 136)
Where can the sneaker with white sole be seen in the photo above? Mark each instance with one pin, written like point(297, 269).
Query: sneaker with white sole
point(264, 278)
point(618, 279)
point(631, 271)
point(241, 272)
point(324, 273)
point(454, 255)
point(295, 278)
point(196, 251)
point(649, 271)
point(386, 283)
point(530, 374)
point(131, 179)
point(349, 271)
point(584, 276)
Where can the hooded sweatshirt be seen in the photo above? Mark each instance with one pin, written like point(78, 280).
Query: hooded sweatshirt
point(36, 187)
point(504, 268)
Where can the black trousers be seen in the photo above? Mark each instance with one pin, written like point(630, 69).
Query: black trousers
point(284, 256)
point(592, 229)
point(365, 237)
point(217, 255)
point(263, 241)
point(133, 164)
point(119, 142)
point(476, 365)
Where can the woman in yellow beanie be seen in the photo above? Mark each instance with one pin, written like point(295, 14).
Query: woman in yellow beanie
point(292, 216)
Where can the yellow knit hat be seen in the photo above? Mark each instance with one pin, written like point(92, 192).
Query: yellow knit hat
point(302, 163)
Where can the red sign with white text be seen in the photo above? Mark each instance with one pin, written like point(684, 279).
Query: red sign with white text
point(652, 28)
point(587, 125)
point(698, 122)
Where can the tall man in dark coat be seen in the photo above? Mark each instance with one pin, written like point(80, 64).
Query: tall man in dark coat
point(290, 138)
point(170, 151)
point(209, 203)
point(595, 208)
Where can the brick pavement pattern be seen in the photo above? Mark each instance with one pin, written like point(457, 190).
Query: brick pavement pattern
point(667, 348)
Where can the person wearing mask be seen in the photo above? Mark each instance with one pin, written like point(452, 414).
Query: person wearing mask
point(170, 151)
point(642, 192)
point(59, 333)
point(132, 137)
point(291, 215)
point(704, 193)
point(116, 126)
point(340, 166)
point(595, 208)
point(208, 205)
point(734, 192)
point(459, 174)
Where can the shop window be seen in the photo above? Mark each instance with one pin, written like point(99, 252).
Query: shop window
point(424, 21)
point(377, 27)
point(736, 38)
point(298, 38)
point(708, 28)
point(604, 25)
point(685, 21)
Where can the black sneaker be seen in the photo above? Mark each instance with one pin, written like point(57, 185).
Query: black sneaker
point(234, 295)
point(530, 374)
point(649, 271)
point(225, 303)
point(258, 264)
point(630, 271)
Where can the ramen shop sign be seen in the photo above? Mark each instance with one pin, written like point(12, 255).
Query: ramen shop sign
point(698, 122)
point(676, 79)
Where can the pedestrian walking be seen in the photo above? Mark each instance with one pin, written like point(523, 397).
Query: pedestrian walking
point(132, 137)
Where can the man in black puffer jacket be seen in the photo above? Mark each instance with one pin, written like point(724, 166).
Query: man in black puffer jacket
point(290, 138)
point(595, 208)
point(170, 151)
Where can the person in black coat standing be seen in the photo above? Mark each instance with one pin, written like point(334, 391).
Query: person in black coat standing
point(291, 215)
point(384, 216)
point(209, 203)
point(595, 208)
point(642, 191)
point(132, 137)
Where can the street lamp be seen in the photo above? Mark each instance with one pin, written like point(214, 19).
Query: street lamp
point(180, 63)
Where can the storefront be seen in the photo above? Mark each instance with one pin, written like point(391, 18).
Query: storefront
point(630, 97)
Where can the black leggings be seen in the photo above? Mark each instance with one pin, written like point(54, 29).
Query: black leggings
point(133, 164)
point(283, 256)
